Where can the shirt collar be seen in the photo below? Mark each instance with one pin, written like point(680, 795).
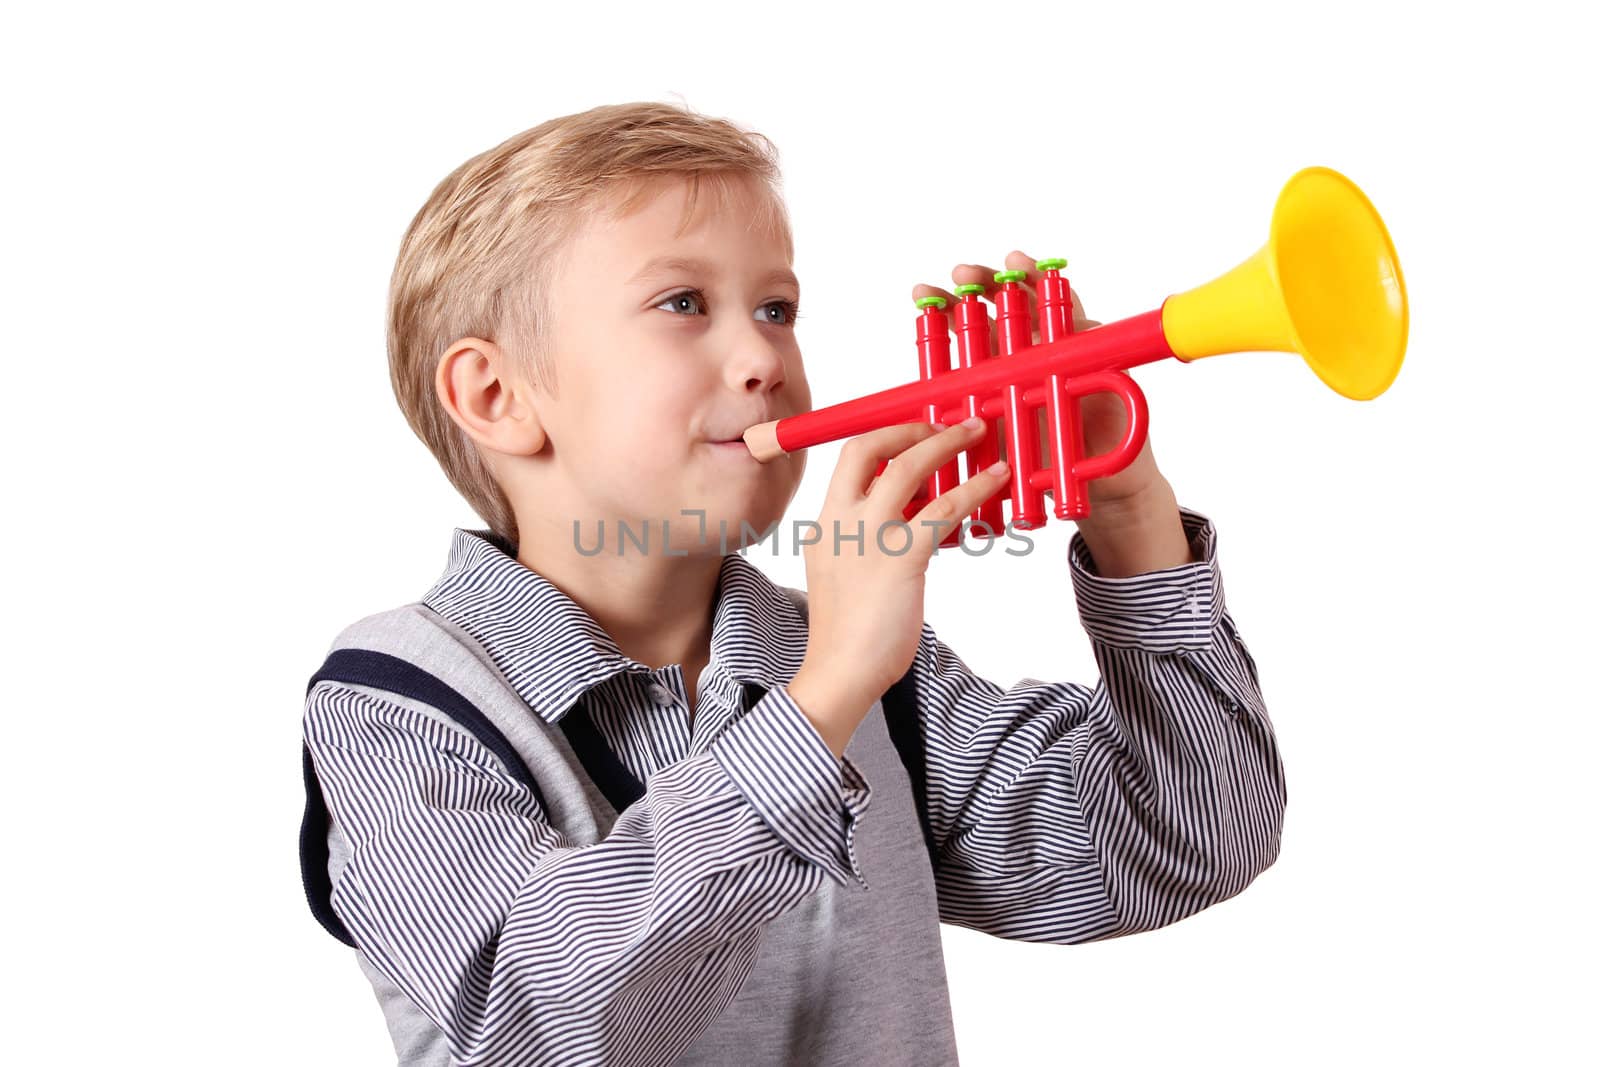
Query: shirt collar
point(552, 651)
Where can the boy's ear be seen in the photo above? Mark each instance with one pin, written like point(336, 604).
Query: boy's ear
point(479, 387)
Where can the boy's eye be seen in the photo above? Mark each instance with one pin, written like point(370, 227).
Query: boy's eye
point(789, 308)
point(693, 302)
point(694, 299)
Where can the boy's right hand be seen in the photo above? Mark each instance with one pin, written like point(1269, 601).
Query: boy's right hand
point(866, 595)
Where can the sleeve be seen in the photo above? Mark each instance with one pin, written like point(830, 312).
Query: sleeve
point(525, 948)
point(1066, 814)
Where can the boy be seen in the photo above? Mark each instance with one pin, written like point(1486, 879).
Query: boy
point(598, 802)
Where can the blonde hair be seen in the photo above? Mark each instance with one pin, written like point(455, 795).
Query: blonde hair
point(479, 257)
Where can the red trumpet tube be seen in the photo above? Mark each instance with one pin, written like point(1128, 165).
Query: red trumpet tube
point(933, 352)
point(1012, 386)
point(972, 336)
point(1022, 440)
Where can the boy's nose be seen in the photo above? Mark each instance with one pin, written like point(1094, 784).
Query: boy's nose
point(757, 365)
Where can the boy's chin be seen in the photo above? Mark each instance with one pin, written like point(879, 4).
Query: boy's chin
point(702, 529)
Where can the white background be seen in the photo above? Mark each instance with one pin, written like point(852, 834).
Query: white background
point(208, 476)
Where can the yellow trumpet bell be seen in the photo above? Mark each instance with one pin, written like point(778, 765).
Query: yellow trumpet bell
point(1327, 285)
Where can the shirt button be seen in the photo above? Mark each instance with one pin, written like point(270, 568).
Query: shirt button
point(661, 694)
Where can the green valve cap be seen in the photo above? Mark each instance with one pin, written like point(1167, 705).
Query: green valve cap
point(963, 290)
point(1051, 264)
point(931, 302)
point(1002, 277)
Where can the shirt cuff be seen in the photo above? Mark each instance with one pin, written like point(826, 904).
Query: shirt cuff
point(1165, 611)
point(810, 799)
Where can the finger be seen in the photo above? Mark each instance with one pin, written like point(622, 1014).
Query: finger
point(984, 275)
point(1016, 260)
point(911, 469)
point(1080, 318)
point(948, 510)
point(1029, 266)
point(973, 274)
point(979, 274)
point(861, 457)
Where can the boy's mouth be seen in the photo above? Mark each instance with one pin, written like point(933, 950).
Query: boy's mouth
point(737, 437)
point(734, 447)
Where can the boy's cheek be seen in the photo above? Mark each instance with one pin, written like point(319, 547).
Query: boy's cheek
point(798, 401)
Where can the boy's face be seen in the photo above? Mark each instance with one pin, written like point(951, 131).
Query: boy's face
point(666, 348)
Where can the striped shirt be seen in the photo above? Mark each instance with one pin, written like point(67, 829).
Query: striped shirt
point(1058, 812)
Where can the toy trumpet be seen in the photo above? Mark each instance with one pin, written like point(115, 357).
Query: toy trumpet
point(1326, 285)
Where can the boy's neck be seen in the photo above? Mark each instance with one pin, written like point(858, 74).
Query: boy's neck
point(657, 608)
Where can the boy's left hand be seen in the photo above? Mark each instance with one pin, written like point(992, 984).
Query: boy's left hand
point(1104, 418)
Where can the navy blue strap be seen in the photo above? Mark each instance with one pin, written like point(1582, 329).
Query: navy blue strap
point(314, 854)
point(614, 780)
point(378, 670)
point(616, 783)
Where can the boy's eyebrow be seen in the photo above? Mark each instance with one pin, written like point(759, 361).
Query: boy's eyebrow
point(667, 264)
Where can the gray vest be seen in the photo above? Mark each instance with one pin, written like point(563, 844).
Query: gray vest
point(849, 976)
